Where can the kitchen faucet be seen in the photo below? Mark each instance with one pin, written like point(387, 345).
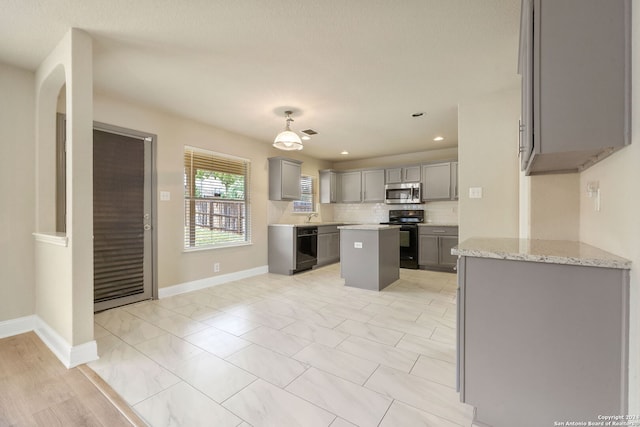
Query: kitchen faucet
point(311, 215)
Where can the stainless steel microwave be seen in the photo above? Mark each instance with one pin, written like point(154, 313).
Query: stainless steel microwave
point(403, 193)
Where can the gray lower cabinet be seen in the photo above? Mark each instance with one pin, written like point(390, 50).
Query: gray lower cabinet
point(540, 343)
point(328, 244)
point(282, 249)
point(434, 247)
point(575, 62)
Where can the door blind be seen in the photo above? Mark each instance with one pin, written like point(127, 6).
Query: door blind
point(118, 216)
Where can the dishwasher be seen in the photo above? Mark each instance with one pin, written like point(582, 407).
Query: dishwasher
point(306, 248)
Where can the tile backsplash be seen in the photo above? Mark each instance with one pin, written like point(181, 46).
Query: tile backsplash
point(365, 213)
point(435, 212)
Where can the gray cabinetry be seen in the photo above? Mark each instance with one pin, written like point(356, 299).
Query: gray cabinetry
point(575, 63)
point(454, 180)
point(282, 249)
point(540, 343)
point(434, 247)
point(403, 174)
point(328, 244)
point(373, 185)
point(369, 256)
point(328, 186)
point(351, 187)
point(436, 181)
point(284, 179)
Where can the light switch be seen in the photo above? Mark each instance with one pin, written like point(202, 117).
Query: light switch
point(165, 196)
point(475, 192)
point(357, 245)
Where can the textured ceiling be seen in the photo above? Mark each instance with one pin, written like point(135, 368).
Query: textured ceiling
point(353, 70)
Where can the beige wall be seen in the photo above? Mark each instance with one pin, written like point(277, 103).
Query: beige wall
point(554, 207)
point(175, 266)
point(64, 275)
point(16, 192)
point(616, 227)
point(487, 158)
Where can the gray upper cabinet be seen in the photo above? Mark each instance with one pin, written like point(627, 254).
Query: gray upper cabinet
point(454, 180)
point(373, 185)
point(328, 186)
point(350, 187)
point(284, 179)
point(575, 62)
point(405, 174)
point(436, 182)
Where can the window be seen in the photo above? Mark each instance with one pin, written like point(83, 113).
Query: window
point(305, 204)
point(216, 199)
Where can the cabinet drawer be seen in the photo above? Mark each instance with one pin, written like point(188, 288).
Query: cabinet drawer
point(438, 231)
point(326, 229)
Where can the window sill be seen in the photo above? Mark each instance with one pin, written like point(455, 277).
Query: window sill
point(213, 248)
point(56, 239)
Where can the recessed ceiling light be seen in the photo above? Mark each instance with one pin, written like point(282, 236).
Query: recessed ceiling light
point(439, 138)
point(418, 114)
point(344, 153)
point(305, 137)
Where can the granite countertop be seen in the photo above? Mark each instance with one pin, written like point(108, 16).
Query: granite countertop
point(433, 224)
point(544, 251)
point(374, 227)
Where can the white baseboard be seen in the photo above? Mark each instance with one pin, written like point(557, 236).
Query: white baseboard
point(210, 281)
point(70, 356)
point(21, 325)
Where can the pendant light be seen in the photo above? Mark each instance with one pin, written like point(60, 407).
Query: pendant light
point(287, 139)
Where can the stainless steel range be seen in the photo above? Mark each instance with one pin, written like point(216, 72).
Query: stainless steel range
point(408, 221)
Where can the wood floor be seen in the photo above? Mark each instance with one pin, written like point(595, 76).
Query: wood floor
point(37, 390)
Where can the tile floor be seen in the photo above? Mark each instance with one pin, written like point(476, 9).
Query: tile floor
point(299, 350)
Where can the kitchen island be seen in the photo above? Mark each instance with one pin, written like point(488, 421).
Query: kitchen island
point(542, 331)
point(369, 257)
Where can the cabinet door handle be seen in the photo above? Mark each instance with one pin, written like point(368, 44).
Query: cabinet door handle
point(439, 231)
point(521, 127)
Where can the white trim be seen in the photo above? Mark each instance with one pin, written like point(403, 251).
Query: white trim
point(57, 239)
point(20, 325)
point(210, 281)
point(68, 355)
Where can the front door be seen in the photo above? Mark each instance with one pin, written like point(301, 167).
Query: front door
point(122, 217)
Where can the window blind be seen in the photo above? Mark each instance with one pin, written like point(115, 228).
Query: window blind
point(305, 204)
point(216, 199)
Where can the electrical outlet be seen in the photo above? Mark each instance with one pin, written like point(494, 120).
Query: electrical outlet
point(216, 267)
point(475, 192)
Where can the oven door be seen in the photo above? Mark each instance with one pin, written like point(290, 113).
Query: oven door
point(409, 246)
point(306, 248)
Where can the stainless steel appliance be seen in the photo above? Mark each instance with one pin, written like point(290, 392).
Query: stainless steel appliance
point(408, 192)
point(306, 247)
point(408, 221)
